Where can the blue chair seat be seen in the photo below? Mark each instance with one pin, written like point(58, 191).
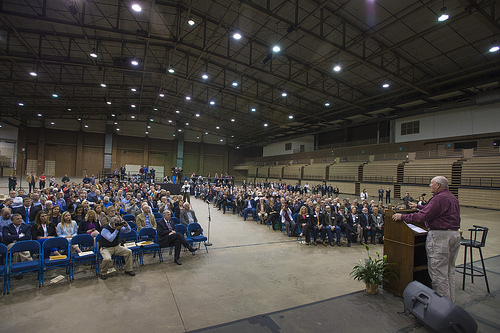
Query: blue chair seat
point(86, 257)
point(24, 266)
point(200, 238)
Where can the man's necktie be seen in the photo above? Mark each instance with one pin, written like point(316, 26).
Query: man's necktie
point(27, 215)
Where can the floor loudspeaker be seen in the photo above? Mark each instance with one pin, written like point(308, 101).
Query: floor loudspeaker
point(435, 312)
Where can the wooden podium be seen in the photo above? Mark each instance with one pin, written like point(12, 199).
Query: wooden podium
point(406, 248)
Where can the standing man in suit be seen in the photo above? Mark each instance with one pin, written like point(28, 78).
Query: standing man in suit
point(15, 232)
point(381, 194)
point(31, 180)
point(168, 237)
point(188, 215)
point(27, 210)
point(387, 196)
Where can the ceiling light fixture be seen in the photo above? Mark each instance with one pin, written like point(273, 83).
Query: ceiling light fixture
point(237, 36)
point(494, 48)
point(217, 127)
point(103, 85)
point(132, 116)
point(290, 116)
point(266, 124)
point(444, 14)
point(133, 89)
point(134, 62)
point(204, 77)
point(149, 126)
point(146, 132)
point(197, 115)
point(93, 53)
point(20, 104)
point(276, 48)
point(221, 140)
point(39, 115)
point(108, 102)
point(161, 95)
point(284, 94)
point(170, 120)
point(191, 21)
point(52, 123)
point(156, 109)
point(133, 105)
point(69, 109)
point(86, 126)
point(212, 102)
point(118, 129)
point(386, 85)
point(327, 104)
point(136, 7)
point(234, 84)
point(171, 70)
point(177, 111)
point(55, 94)
point(33, 73)
point(253, 109)
point(188, 98)
point(337, 68)
point(151, 119)
point(233, 120)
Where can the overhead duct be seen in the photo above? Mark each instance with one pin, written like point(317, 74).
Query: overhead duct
point(488, 97)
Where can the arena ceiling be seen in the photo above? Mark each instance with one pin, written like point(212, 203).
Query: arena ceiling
point(427, 65)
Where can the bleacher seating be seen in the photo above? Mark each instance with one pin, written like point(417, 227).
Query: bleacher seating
point(481, 171)
point(422, 171)
point(315, 171)
point(292, 171)
point(276, 172)
point(478, 197)
point(381, 171)
point(347, 171)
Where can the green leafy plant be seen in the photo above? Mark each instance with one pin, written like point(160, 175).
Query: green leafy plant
point(372, 270)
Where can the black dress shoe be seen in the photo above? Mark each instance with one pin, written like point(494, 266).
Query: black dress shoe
point(103, 276)
point(131, 273)
point(193, 250)
point(338, 243)
point(178, 261)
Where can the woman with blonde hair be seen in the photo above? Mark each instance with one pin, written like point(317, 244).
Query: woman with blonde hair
point(90, 225)
point(68, 228)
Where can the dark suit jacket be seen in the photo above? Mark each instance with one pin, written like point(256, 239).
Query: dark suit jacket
point(333, 220)
point(35, 232)
point(163, 232)
point(363, 221)
point(33, 211)
point(10, 235)
point(301, 220)
point(184, 218)
point(314, 219)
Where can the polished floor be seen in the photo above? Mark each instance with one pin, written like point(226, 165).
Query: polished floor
point(248, 271)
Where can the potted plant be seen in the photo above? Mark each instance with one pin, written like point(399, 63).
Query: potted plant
point(372, 271)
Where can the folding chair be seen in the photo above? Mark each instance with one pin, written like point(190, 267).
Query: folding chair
point(61, 244)
point(86, 243)
point(136, 250)
point(25, 267)
point(158, 216)
point(192, 230)
point(149, 234)
point(3, 265)
point(129, 217)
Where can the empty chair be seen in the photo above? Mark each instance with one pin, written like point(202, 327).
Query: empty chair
point(132, 225)
point(86, 243)
point(154, 210)
point(3, 265)
point(158, 216)
point(176, 220)
point(477, 240)
point(149, 234)
point(129, 217)
point(62, 246)
point(195, 232)
point(24, 267)
point(182, 230)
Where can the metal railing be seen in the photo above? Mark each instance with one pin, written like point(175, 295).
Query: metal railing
point(481, 181)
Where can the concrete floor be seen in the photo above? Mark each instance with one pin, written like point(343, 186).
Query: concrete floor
point(249, 270)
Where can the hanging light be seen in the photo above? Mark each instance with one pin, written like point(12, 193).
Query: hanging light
point(237, 36)
point(171, 70)
point(494, 48)
point(136, 7)
point(93, 53)
point(191, 21)
point(444, 14)
point(337, 68)
point(276, 48)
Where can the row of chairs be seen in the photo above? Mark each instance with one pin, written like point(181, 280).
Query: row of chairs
point(42, 263)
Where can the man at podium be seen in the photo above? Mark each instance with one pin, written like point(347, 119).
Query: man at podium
point(441, 216)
